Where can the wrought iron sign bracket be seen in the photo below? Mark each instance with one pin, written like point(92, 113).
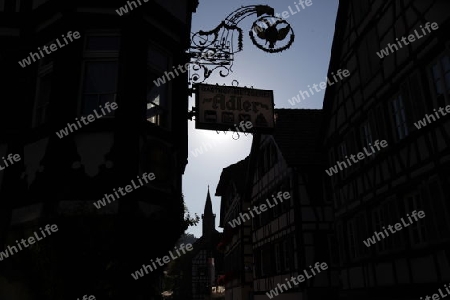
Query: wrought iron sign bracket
point(191, 113)
point(215, 49)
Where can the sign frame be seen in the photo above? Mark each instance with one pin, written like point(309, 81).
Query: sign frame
point(245, 102)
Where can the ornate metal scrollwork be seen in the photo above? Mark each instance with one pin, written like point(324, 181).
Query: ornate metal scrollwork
point(270, 33)
point(214, 50)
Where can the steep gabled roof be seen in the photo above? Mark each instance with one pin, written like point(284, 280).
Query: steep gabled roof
point(297, 135)
point(236, 172)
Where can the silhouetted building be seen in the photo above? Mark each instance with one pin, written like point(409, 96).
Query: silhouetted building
point(293, 231)
point(207, 261)
point(394, 83)
point(236, 239)
point(178, 277)
point(74, 151)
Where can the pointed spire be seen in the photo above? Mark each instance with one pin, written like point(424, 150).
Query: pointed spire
point(208, 205)
point(208, 218)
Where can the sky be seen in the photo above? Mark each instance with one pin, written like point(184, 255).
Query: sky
point(304, 63)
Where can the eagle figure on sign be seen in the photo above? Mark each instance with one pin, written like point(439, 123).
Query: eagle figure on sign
point(271, 34)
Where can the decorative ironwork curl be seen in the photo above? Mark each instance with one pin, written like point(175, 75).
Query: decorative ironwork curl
point(214, 50)
point(271, 34)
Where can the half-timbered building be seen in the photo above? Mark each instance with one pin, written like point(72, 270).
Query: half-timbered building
point(384, 97)
point(236, 240)
point(297, 232)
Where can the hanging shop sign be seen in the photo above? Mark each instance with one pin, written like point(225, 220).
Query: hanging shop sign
point(231, 108)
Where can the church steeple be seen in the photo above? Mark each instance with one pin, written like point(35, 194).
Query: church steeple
point(208, 218)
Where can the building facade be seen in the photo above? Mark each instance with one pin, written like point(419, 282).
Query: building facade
point(66, 164)
point(386, 95)
point(297, 232)
point(236, 242)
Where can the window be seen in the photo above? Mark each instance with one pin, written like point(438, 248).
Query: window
point(369, 64)
point(257, 264)
point(356, 230)
point(361, 8)
point(391, 217)
point(287, 253)
point(43, 90)
point(384, 216)
point(340, 235)
point(267, 158)
point(377, 225)
point(331, 162)
point(257, 220)
point(155, 104)
point(415, 94)
point(100, 72)
point(381, 128)
point(157, 91)
point(440, 73)
point(10, 5)
point(277, 258)
point(99, 86)
point(342, 153)
point(417, 230)
point(351, 239)
point(399, 114)
point(333, 249)
point(361, 232)
point(366, 134)
point(266, 260)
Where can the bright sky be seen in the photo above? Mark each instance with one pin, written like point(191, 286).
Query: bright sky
point(305, 63)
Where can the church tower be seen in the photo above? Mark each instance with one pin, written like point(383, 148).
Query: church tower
point(208, 218)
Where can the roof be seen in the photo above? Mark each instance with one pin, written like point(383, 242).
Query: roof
point(236, 172)
point(297, 135)
point(208, 205)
